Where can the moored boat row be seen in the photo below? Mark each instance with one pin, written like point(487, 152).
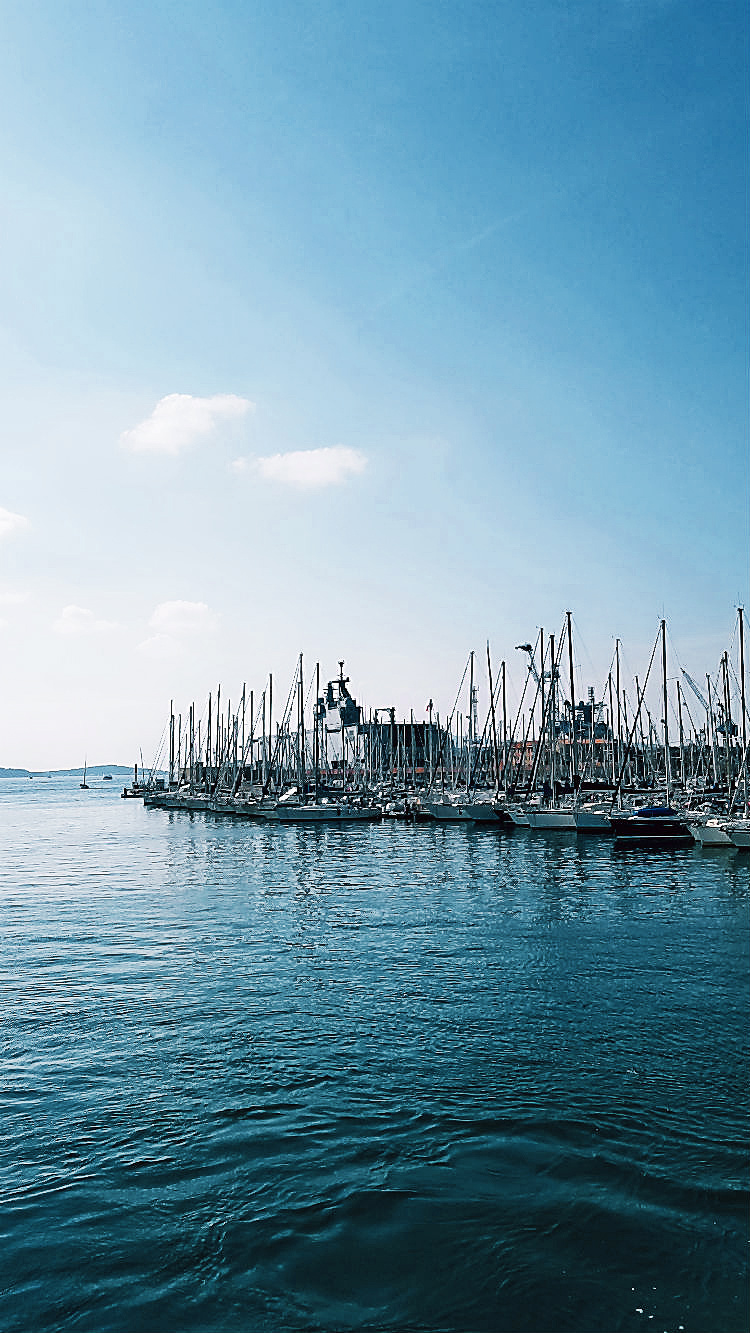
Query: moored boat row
point(655, 826)
point(550, 763)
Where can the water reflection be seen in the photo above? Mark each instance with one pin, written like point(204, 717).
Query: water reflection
point(509, 1071)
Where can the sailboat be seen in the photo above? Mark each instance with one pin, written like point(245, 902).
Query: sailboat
point(476, 806)
point(336, 807)
point(84, 785)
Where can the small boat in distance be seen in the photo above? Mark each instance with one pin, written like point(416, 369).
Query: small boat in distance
point(84, 785)
point(107, 777)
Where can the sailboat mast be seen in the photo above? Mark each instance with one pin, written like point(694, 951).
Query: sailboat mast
point(191, 725)
point(682, 735)
point(470, 733)
point(665, 700)
point(552, 716)
point(171, 742)
point(728, 725)
point(270, 727)
point(208, 746)
point(541, 724)
point(505, 737)
point(573, 751)
point(711, 731)
point(242, 752)
point(619, 707)
point(301, 732)
point(317, 721)
point(610, 729)
point(742, 699)
point(252, 740)
point(494, 729)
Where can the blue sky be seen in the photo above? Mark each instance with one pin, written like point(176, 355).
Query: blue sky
point(445, 309)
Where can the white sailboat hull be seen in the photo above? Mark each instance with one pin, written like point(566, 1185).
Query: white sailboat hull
point(592, 821)
point(478, 812)
point(740, 835)
point(711, 834)
point(557, 820)
point(323, 814)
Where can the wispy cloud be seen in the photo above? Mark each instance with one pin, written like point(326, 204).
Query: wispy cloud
point(307, 469)
point(78, 621)
point(11, 523)
point(430, 268)
point(182, 618)
point(174, 623)
point(180, 419)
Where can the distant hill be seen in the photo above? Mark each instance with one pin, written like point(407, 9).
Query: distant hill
point(95, 771)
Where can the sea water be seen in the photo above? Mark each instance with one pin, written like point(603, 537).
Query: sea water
point(374, 1077)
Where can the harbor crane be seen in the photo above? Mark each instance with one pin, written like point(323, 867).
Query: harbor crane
point(527, 648)
point(695, 689)
point(724, 726)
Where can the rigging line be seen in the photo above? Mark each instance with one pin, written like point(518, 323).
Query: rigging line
point(547, 714)
point(637, 715)
point(479, 759)
point(448, 724)
point(686, 706)
point(584, 645)
point(259, 710)
point(458, 692)
point(738, 695)
point(251, 740)
point(735, 634)
point(309, 691)
point(612, 659)
point(672, 706)
point(625, 668)
point(511, 688)
point(281, 734)
point(734, 640)
point(516, 768)
point(678, 659)
point(157, 756)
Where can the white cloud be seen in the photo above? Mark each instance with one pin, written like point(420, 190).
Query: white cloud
point(161, 647)
point(180, 419)
point(75, 621)
point(183, 618)
point(307, 469)
point(175, 622)
point(11, 523)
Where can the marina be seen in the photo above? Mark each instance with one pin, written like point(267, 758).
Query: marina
point(546, 761)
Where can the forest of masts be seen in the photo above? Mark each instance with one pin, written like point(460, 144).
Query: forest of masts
point(321, 742)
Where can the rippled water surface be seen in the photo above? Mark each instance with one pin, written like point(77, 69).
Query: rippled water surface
point(386, 1077)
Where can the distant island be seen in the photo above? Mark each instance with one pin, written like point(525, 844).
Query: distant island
point(95, 771)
